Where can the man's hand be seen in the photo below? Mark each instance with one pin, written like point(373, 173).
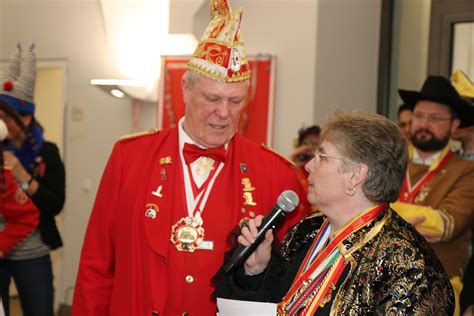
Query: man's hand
point(469, 311)
point(415, 220)
point(430, 236)
point(466, 137)
point(258, 260)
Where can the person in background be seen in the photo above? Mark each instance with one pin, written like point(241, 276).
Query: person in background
point(437, 195)
point(465, 88)
point(37, 167)
point(167, 200)
point(465, 135)
point(405, 113)
point(364, 259)
point(20, 216)
point(308, 141)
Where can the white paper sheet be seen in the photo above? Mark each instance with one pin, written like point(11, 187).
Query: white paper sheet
point(238, 308)
point(2, 312)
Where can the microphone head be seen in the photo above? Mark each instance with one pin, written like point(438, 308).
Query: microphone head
point(288, 200)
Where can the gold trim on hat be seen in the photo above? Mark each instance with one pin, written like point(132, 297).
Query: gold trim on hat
point(236, 77)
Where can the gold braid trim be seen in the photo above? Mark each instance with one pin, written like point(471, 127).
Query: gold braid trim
point(273, 151)
point(371, 234)
point(236, 77)
point(448, 221)
point(134, 135)
point(223, 43)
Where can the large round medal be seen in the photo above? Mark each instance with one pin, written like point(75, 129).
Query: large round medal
point(187, 234)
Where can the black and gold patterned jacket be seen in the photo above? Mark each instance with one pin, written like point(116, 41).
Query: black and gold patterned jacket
point(392, 271)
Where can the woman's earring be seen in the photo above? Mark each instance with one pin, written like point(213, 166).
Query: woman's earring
point(351, 192)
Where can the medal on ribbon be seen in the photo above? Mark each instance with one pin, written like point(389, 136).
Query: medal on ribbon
point(187, 234)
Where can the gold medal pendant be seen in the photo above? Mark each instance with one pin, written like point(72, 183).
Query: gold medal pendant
point(187, 234)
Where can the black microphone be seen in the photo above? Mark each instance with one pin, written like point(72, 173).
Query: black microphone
point(287, 202)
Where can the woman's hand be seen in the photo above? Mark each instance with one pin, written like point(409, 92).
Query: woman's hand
point(258, 260)
point(18, 171)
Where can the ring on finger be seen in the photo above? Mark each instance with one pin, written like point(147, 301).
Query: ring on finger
point(244, 223)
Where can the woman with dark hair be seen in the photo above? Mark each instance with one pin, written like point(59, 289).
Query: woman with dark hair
point(307, 142)
point(37, 167)
point(364, 259)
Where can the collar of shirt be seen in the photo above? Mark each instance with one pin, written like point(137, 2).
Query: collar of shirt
point(184, 137)
point(428, 161)
point(200, 168)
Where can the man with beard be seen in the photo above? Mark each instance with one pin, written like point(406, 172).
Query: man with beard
point(437, 196)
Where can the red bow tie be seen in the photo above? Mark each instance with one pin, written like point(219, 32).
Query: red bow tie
point(192, 152)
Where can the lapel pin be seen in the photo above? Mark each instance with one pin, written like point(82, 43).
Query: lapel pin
point(157, 192)
point(166, 160)
point(151, 211)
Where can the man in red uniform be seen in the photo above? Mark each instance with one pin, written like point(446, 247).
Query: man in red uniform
point(168, 200)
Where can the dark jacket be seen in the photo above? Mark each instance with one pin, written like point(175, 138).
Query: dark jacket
point(49, 198)
point(395, 271)
point(467, 294)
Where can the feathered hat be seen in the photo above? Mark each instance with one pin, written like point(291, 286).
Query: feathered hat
point(18, 82)
point(465, 88)
point(220, 54)
point(463, 84)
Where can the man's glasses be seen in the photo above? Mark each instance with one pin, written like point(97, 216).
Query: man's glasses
point(430, 118)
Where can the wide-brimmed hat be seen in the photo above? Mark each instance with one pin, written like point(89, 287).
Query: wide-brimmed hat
point(439, 89)
point(18, 82)
point(221, 54)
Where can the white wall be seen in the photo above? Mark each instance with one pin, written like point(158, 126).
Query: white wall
point(411, 30)
point(285, 29)
point(347, 56)
point(327, 54)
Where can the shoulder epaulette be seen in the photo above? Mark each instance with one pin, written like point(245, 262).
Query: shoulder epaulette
point(139, 134)
point(288, 161)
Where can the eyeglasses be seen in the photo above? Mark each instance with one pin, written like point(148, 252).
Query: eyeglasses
point(318, 157)
point(430, 118)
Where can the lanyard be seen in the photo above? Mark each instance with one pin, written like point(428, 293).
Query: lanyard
point(323, 264)
point(409, 192)
point(196, 204)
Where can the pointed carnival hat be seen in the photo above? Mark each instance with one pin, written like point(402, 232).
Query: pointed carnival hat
point(465, 88)
point(220, 54)
point(463, 84)
point(18, 82)
point(439, 89)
